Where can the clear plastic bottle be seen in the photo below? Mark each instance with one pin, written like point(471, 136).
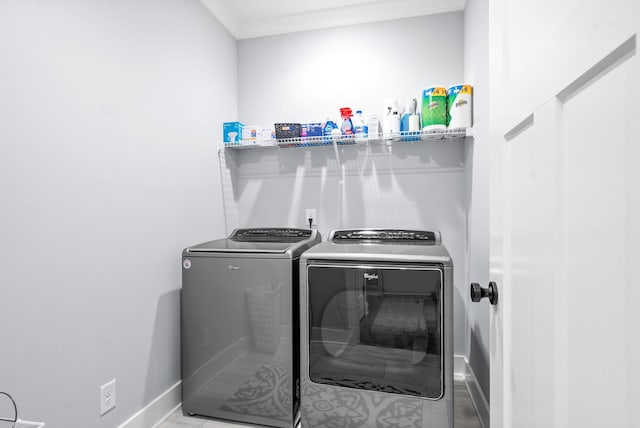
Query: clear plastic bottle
point(408, 124)
point(360, 127)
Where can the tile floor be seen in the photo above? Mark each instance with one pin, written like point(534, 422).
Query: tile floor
point(465, 415)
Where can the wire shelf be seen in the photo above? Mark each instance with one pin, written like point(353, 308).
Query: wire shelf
point(343, 140)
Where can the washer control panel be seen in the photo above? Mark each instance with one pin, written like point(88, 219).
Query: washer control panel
point(390, 236)
point(270, 235)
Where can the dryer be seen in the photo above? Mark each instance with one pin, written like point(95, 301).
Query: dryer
point(376, 330)
point(239, 326)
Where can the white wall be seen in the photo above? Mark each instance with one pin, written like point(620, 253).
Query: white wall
point(306, 77)
point(109, 116)
point(476, 71)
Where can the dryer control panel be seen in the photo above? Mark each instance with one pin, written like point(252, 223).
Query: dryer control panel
point(391, 236)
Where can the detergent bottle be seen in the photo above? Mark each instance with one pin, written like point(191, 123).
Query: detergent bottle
point(360, 127)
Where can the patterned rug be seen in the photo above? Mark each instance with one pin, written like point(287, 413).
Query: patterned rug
point(267, 393)
point(329, 407)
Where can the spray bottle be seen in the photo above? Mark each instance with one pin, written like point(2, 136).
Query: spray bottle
point(347, 124)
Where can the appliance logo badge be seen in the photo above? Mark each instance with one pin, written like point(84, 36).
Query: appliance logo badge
point(370, 276)
point(233, 267)
point(186, 263)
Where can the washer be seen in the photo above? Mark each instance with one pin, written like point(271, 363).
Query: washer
point(377, 343)
point(239, 326)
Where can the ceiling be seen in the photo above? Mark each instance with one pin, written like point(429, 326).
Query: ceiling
point(245, 19)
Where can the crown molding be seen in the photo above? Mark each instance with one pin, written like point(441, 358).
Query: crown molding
point(245, 27)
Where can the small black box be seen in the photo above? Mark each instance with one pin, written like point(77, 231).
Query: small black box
point(287, 130)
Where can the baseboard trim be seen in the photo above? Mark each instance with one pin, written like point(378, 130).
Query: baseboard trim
point(462, 371)
point(157, 411)
point(459, 367)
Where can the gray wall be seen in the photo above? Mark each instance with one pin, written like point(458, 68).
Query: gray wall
point(476, 70)
point(307, 76)
point(109, 116)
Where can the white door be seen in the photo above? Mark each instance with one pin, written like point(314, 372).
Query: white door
point(565, 213)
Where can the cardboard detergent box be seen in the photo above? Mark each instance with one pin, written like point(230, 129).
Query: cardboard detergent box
point(251, 134)
point(232, 132)
point(311, 130)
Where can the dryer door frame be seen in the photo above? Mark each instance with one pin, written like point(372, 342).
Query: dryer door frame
point(363, 293)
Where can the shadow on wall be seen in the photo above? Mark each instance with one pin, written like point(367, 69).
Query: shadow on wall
point(164, 354)
point(263, 182)
point(478, 357)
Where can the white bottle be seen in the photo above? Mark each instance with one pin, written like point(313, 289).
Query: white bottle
point(390, 119)
point(360, 127)
point(393, 126)
point(374, 127)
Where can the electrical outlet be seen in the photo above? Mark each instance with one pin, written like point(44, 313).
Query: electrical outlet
point(311, 217)
point(107, 397)
point(27, 424)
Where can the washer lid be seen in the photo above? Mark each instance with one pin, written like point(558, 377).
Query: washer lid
point(257, 240)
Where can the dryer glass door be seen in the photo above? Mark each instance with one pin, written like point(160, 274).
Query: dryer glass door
point(377, 328)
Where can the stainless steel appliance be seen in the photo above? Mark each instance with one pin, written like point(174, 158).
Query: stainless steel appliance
point(240, 331)
point(376, 306)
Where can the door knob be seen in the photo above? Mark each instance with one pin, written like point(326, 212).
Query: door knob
point(478, 293)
